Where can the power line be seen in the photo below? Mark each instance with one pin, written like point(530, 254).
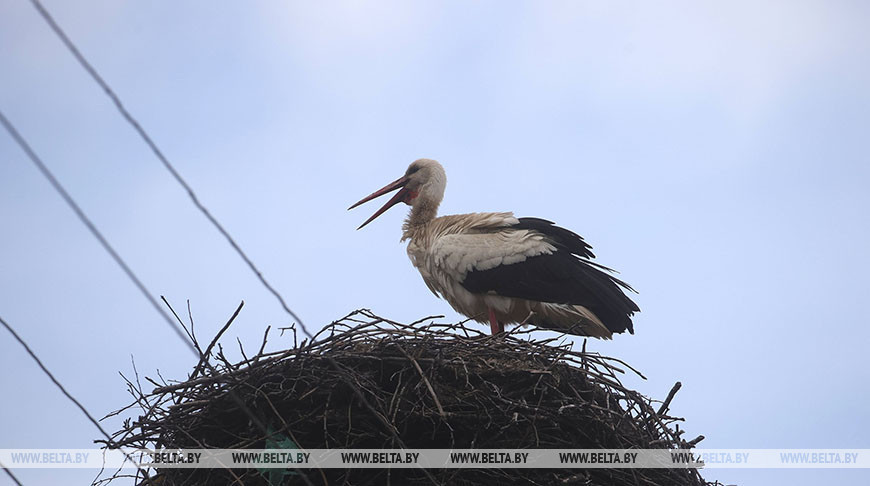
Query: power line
point(66, 393)
point(204, 359)
point(54, 380)
point(157, 152)
point(13, 132)
point(129, 272)
point(90, 225)
point(9, 473)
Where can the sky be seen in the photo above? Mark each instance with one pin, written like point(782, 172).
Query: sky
point(715, 153)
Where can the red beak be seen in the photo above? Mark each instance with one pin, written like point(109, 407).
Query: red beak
point(397, 197)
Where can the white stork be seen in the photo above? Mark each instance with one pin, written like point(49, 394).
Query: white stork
point(502, 269)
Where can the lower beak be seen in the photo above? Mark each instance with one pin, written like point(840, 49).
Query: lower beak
point(397, 197)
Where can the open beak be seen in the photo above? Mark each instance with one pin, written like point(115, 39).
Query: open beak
point(397, 197)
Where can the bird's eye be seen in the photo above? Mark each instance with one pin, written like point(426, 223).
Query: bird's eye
point(412, 169)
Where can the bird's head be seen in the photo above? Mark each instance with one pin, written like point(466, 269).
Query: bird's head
point(423, 184)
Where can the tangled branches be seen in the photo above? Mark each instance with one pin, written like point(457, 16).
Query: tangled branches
point(368, 382)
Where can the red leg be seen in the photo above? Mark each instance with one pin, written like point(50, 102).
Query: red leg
point(495, 326)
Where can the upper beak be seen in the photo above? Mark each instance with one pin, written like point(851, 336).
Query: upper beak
point(397, 197)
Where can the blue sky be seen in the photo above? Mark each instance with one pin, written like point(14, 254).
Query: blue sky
point(716, 154)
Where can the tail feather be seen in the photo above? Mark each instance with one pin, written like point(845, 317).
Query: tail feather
point(570, 319)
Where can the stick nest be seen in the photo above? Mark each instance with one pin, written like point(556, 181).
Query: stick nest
point(368, 382)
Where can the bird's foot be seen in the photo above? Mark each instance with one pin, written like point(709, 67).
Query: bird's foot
point(494, 326)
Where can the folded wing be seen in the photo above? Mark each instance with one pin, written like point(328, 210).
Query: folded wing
point(535, 260)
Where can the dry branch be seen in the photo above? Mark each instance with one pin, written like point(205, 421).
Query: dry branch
point(368, 382)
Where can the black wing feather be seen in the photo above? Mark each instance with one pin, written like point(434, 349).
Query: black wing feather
point(563, 277)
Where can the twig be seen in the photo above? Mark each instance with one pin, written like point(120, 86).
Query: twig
point(667, 402)
point(214, 341)
point(425, 380)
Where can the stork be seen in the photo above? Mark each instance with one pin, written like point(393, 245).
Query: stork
point(506, 270)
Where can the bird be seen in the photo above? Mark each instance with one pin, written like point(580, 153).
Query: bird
point(494, 267)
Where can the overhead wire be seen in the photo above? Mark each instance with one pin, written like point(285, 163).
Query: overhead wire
point(176, 175)
point(160, 156)
point(54, 380)
point(9, 473)
point(65, 392)
point(55, 183)
point(34, 158)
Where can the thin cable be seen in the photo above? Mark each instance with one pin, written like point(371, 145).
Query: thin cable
point(71, 202)
point(105, 244)
point(54, 380)
point(153, 146)
point(90, 225)
point(68, 395)
point(9, 473)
